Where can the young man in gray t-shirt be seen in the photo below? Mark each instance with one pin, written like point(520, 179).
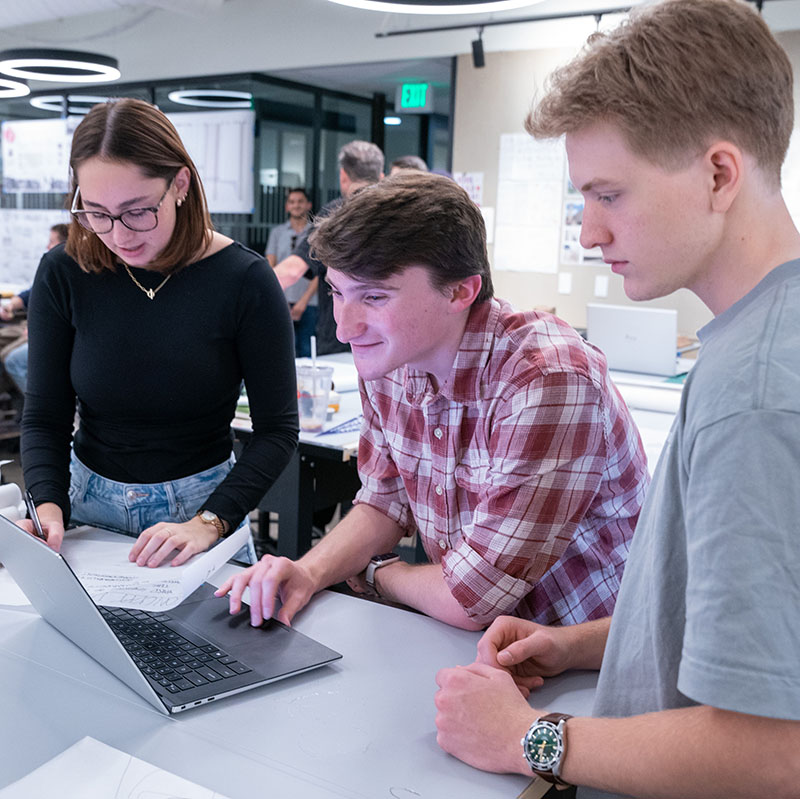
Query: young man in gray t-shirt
point(677, 124)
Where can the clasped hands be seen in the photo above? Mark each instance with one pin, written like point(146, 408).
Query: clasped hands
point(482, 708)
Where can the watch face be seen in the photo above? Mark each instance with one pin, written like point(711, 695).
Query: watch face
point(543, 746)
point(208, 516)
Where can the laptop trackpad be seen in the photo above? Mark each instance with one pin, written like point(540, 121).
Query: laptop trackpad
point(271, 649)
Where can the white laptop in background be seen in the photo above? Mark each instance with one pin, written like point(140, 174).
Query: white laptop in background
point(636, 339)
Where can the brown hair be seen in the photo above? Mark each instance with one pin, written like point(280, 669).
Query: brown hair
point(675, 76)
point(134, 132)
point(411, 219)
point(62, 231)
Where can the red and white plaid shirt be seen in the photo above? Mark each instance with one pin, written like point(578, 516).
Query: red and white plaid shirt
point(524, 473)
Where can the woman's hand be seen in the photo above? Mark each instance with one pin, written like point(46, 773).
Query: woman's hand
point(156, 543)
point(52, 520)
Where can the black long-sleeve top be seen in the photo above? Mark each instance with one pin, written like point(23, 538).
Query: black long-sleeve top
point(157, 381)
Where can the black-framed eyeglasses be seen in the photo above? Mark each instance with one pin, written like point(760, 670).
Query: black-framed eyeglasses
point(139, 219)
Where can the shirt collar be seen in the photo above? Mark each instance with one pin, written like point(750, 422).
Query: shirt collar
point(773, 278)
point(464, 383)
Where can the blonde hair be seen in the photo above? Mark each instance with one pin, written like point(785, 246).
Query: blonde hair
point(674, 77)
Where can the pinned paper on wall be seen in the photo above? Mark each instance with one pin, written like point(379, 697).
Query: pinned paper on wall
point(472, 183)
point(529, 199)
point(565, 282)
point(601, 286)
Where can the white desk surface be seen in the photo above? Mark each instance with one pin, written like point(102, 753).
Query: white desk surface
point(362, 728)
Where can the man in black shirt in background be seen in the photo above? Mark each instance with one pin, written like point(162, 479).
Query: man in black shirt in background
point(360, 164)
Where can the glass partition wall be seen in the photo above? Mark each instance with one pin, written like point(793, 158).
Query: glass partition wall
point(298, 132)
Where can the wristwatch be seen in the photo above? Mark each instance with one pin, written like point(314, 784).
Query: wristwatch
point(210, 517)
point(378, 562)
point(544, 745)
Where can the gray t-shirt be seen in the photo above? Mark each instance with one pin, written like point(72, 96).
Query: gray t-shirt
point(708, 609)
point(282, 242)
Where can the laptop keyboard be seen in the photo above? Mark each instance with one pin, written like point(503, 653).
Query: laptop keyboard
point(168, 658)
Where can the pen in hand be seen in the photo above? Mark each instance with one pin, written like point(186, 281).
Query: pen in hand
point(37, 523)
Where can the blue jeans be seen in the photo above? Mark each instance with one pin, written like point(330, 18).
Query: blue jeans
point(130, 508)
point(16, 364)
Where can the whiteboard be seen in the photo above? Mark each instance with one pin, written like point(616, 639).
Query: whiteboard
point(221, 144)
point(23, 241)
point(36, 155)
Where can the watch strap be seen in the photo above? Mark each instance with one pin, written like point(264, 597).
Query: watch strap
point(553, 775)
point(377, 562)
point(209, 517)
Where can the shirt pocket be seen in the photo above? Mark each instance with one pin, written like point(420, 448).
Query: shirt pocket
point(472, 475)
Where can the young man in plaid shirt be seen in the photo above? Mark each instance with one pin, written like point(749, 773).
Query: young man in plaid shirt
point(497, 435)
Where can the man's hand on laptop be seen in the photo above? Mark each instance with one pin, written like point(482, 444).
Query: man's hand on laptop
point(269, 579)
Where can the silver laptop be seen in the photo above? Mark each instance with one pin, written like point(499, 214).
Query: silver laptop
point(636, 339)
point(190, 655)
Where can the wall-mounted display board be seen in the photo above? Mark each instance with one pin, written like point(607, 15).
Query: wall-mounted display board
point(221, 143)
point(23, 241)
point(36, 155)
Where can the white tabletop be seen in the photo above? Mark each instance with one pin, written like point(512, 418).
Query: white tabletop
point(361, 728)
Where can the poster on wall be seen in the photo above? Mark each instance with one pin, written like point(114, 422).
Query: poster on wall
point(23, 241)
point(530, 192)
point(36, 155)
point(571, 250)
point(221, 145)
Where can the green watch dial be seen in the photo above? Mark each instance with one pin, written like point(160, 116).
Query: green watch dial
point(543, 746)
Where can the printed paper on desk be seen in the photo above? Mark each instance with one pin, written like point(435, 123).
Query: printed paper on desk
point(111, 579)
point(93, 770)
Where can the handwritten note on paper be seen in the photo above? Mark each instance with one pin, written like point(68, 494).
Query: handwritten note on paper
point(93, 770)
point(108, 576)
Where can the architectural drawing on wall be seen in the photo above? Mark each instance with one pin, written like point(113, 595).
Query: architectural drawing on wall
point(221, 145)
point(23, 241)
point(530, 191)
point(571, 250)
point(36, 155)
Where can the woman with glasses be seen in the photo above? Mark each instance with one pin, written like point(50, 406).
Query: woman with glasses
point(149, 320)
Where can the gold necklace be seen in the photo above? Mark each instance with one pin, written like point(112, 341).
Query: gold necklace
point(151, 293)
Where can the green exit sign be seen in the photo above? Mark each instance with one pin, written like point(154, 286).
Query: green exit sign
point(414, 98)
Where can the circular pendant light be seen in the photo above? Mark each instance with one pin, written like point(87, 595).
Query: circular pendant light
point(212, 98)
point(437, 6)
point(63, 66)
point(13, 88)
point(76, 103)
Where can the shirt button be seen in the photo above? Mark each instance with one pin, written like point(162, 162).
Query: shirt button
point(442, 543)
point(438, 432)
point(438, 490)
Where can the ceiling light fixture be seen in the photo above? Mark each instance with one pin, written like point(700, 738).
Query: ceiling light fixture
point(54, 102)
point(13, 88)
point(392, 121)
point(437, 6)
point(212, 98)
point(63, 66)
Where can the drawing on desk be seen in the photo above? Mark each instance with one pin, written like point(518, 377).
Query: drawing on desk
point(91, 769)
point(108, 576)
point(349, 426)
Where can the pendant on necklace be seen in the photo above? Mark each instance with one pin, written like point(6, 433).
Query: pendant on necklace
point(150, 294)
